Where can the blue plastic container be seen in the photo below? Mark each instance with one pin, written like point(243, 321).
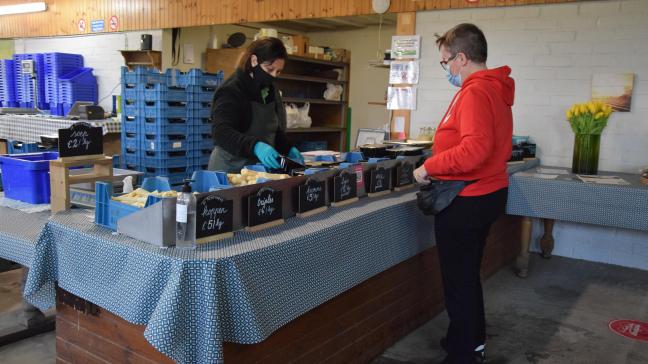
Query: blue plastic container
point(7, 83)
point(55, 66)
point(16, 147)
point(77, 85)
point(205, 181)
point(196, 77)
point(25, 177)
point(24, 84)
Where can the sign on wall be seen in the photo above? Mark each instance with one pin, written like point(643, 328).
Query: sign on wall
point(406, 47)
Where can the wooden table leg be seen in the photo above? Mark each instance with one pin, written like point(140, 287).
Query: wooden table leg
point(547, 241)
point(522, 263)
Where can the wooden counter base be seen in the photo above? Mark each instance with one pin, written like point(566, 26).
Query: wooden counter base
point(354, 327)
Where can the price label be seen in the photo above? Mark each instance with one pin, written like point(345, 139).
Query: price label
point(380, 180)
point(264, 206)
point(311, 195)
point(80, 139)
point(404, 174)
point(344, 186)
point(214, 215)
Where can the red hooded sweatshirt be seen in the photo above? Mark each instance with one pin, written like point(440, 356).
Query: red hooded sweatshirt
point(473, 140)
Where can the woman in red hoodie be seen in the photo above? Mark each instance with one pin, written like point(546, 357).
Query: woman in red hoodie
point(472, 143)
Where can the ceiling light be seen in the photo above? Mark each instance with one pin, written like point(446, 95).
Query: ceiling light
point(23, 8)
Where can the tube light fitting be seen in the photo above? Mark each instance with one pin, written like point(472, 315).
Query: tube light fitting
point(23, 8)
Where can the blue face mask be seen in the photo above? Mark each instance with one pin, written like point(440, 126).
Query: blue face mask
point(455, 80)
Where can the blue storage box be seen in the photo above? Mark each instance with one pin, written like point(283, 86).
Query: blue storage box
point(7, 83)
point(25, 177)
point(206, 181)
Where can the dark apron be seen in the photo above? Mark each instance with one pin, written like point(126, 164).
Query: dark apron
point(264, 125)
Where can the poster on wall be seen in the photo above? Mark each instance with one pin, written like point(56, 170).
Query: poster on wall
point(406, 46)
point(401, 98)
point(404, 72)
point(614, 89)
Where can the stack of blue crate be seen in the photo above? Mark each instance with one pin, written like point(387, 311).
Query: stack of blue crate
point(25, 95)
point(58, 65)
point(7, 83)
point(78, 85)
point(166, 126)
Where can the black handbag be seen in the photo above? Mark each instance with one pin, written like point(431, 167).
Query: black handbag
point(435, 196)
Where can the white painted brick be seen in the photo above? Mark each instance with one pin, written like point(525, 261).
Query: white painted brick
point(573, 73)
point(597, 36)
point(519, 72)
point(633, 21)
point(638, 34)
point(571, 48)
point(598, 60)
point(522, 12)
point(558, 61)
point(541, 24)
point(489, 13)
point(559, 10)
point(556, 36)
point(578, 24)
point(458, 15)
point(634, 7)
point(599, 8)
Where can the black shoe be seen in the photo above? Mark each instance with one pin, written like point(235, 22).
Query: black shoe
point(480, 351)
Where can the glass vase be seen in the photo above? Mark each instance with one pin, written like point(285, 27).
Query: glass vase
point(586, 153)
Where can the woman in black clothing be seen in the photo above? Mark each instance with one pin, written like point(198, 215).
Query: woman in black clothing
point(248, 113)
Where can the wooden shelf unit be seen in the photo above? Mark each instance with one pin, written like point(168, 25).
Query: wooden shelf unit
point(142, 58)
point(303, 80)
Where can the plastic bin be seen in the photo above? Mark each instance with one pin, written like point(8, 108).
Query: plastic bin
point(77, 85)
point(142, 75)
point(25, 177)
point(206, 181)
point(108, 211)
point(24, 84)
point(16, 147)
point(55, 66)
point(196, 77)
point(7, 83)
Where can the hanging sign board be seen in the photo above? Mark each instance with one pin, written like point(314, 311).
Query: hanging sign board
point(401, 98)
point(264, 206)
point(97, 25)
point(406, 47)
point(404, 72)
point(80, 139)
point(214, 215)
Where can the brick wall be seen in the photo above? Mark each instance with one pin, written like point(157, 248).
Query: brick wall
point(100, 52)
point(553, 51)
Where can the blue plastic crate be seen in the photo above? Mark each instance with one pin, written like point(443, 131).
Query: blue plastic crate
point(196, 77)
point(109, 211)
point(25, 177)
point(164, 92)
point(197, 113)
point(25, 85)
point(7, 83)
point(206, 181)
point(167, 171)
point(56, 65)
point(130, 124)
point(164, 126)
point(78, 85)
point(170, 162)
point(201, 129)
point(164, 109)
point(142, 75)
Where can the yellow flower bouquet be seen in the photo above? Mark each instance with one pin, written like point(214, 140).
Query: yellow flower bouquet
point(589, 118)
point(587, 121)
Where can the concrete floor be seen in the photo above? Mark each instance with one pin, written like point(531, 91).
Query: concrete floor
point(559, 314)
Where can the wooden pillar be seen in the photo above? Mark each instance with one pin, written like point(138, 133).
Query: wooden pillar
point(405, 25)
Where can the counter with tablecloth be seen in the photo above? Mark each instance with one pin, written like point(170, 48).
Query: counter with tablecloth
point(29, 127)
point(243, 289)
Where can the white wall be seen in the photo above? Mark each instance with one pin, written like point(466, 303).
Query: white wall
point(553, 51)
point(100, 52)
point(367, 83)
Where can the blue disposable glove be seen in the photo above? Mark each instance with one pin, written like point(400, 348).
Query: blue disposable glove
point(267, 155)
point(294, 154)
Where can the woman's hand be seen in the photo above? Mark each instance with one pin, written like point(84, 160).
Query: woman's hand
point(294, 154)
point(267, 155)
point(421, 176)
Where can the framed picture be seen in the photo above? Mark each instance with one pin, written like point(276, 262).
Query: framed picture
point(614, 89)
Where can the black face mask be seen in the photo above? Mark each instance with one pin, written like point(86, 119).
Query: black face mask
point(263, 78)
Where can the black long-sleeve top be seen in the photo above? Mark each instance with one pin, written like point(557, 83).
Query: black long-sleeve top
point(232, 115)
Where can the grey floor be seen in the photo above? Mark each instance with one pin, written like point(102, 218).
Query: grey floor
point(559, 314)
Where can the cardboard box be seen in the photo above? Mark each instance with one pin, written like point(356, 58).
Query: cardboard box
point(341, 55)
point(300, 44)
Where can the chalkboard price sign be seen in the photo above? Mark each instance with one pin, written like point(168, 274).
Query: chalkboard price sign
point(344, 186)
point(311, 195)
point(80, 139)
point(404, 174)
point(214, 215)
point(380, 180)
point(264, 206)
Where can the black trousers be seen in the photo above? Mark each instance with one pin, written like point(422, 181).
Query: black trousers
point(461, 230)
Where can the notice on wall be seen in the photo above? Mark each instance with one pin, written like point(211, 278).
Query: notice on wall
point(97, 25)
point(406, 47)
point(401, 98)
point(404, 72)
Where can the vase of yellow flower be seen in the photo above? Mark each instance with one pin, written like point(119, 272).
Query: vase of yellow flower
point(587, 121)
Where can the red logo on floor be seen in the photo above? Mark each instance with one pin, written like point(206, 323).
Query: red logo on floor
point(631, 329)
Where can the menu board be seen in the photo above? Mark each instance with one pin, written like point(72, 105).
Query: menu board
point(80, 139)
point(214, 215)
point(344, 186)
point(264, 206)
point(380, 180)
point(311, 195)
point(404, 174)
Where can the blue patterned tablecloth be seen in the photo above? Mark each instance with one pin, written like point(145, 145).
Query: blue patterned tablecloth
point(567, 198)
point(237, 290)
point(19, 233)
